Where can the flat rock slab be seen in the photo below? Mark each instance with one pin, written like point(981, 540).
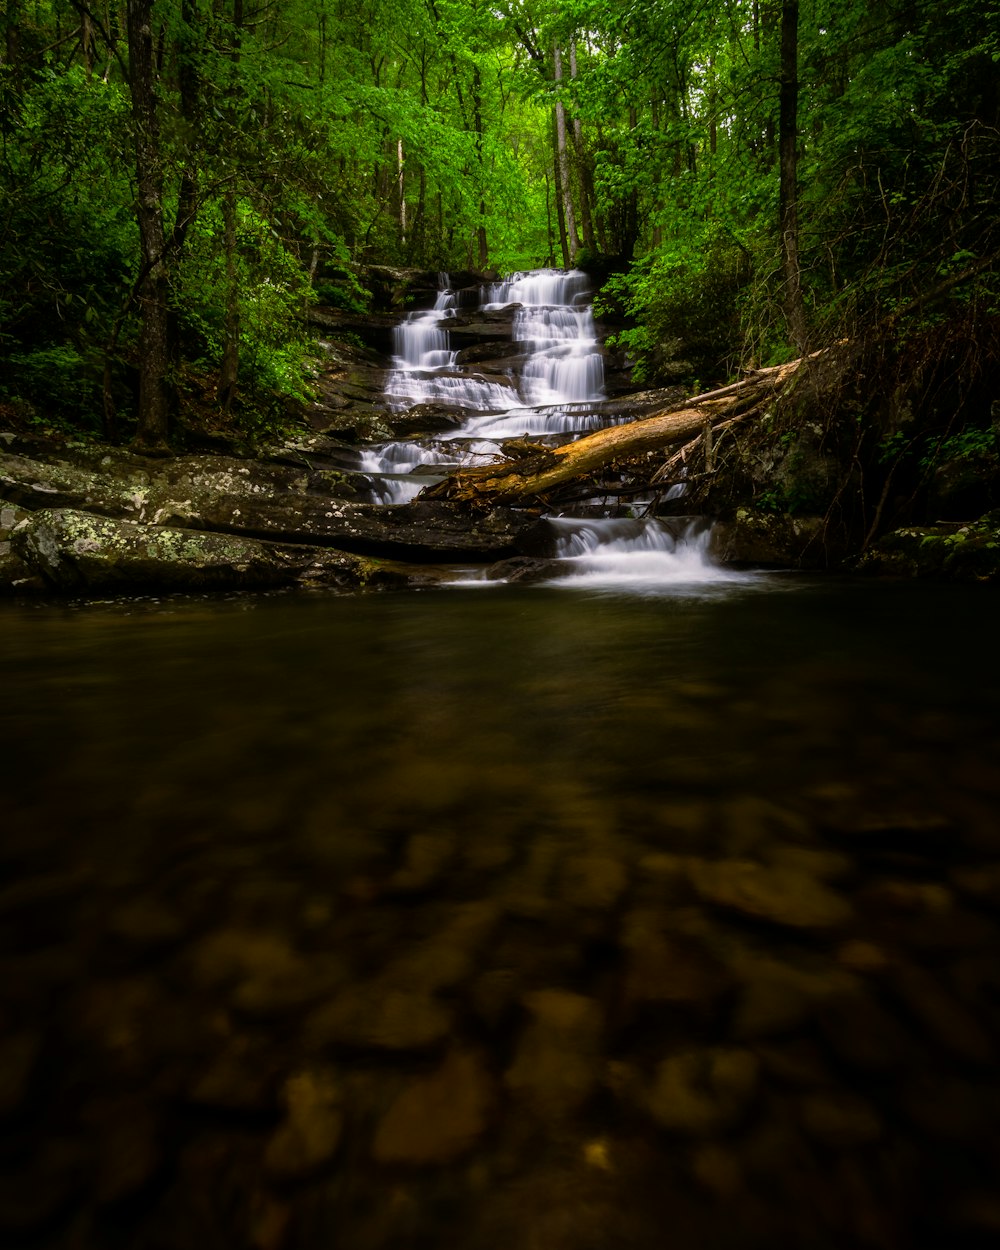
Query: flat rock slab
point(431, 530)
point(79, 551)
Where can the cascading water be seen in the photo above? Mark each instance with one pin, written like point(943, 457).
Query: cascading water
point(641, 554)
point(551, 385)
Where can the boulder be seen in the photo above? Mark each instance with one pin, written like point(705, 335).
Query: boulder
point(15, 575)
point(954, 552)
point(773, 540)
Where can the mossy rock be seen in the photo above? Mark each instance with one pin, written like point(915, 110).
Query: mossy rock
point(968, 553)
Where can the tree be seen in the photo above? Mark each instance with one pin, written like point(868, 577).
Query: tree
point(795, 311)
point(153, 416)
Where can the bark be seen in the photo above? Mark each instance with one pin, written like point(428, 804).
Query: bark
point(229, 366)
point(534, 471)
point(794, 306)
point(154, 335)
point(481, 241)
point(562, 154)
point(586, 180)
point(400, 178)
point(560, 213)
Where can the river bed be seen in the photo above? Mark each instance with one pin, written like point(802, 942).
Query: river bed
point(502, 916)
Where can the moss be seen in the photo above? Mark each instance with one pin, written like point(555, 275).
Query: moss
point(959, 553)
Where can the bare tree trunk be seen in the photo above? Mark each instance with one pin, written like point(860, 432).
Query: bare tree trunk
point(586, 181)
point(560, 208)
point(794, 306)
point(229, 366)
point(154, 346)
point(402, 191)
point(477, 104)
point(536, 471)
point(573, 241)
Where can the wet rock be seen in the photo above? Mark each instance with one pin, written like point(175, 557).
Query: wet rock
point(40, 1189)
point(421, 530)
point(950, 1108)
point(751, 822)
point(18, 1056)
point(310, 1133)
point(80, 551)
point(426, 855)
point(839, 1119)
point(943, 1018)
point(15, 574)
point(862, 1033)
point(446, 959)
point(240, 1077)
point(773, 540)
point(372, 1016)
point(825, 865)
point(978, 1211)
point(778, 997)
point(557, 1062)
point(860, 956)
point(592, 881)
point(953, 552)
point(668, 968)
point(719, 1170)
point(703, 1092)
point(796, 1062)
point(234, 955)
point(781, 895)
point(440, 1117)
point(128, 1151)
point(146, 925)
point(979, 881)
point(922, 898)
point(526, 569)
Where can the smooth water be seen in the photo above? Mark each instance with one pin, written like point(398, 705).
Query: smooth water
point(519, 919)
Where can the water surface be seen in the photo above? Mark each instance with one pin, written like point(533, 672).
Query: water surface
point(533, 917)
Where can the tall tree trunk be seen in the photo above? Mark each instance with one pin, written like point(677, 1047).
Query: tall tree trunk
point(794, 306)
point(557, 186)
point(154, 347)
point(477, 108)
point(401, 182)
point(229, 365)
point(583, 165)
point(572, 238)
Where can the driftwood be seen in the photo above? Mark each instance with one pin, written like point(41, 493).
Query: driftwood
point(531, 471)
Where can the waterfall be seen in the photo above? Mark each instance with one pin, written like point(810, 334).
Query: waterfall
point(641, 554)
point(549, 385)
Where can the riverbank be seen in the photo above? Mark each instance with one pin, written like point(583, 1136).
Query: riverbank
point(485, 379)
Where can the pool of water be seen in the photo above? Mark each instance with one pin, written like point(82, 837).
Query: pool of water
point(549, 916)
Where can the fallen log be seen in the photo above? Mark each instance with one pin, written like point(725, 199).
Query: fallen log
point(530, 471)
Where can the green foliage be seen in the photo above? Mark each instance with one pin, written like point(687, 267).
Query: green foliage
point(686, 302)
point(971, 443)
point(59, 382)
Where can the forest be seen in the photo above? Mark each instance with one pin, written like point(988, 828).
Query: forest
point(746, 180)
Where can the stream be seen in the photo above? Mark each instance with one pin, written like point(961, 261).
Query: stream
point(658, 905)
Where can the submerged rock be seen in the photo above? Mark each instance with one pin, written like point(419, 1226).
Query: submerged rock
point(703, 1092)
point(779, 893)
point(311, 1131)
point(437, 1118)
